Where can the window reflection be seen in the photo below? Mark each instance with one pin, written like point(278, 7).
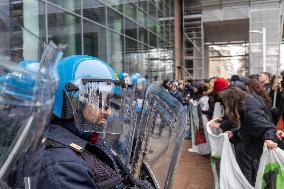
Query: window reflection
point(152, 9)
point(130, 11)
point(73, 5)
point(95, 40)
point(116, 4)
point(152, 40)
point(125, 33)
point(131, 56)
point(114, 20)
point(94, 10)
point(143, 5)
point(143, 35)
point(64, 28)
point(115, 51)
point(142, 18)
point(130, 29)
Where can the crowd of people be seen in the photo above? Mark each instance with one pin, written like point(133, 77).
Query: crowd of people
point(253, 112)
point(91, 100)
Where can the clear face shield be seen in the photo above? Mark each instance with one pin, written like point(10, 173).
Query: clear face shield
point(96, 105)
point(26, 97)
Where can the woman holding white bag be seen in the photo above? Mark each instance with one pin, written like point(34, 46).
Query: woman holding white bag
point(253, 127)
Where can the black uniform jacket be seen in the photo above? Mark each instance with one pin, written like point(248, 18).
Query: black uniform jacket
point(71, 161)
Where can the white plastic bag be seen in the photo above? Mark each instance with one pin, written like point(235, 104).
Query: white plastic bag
point(231, 176)
point(203, 101)
point(215, 140)
point(218, 110)
point(271, 169)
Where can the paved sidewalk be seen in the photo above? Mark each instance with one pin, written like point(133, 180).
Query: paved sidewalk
point(194, 171)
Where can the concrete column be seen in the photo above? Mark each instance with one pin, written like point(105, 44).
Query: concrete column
point(178, 42)
point(71, 30)
point(114, 47)
point(31, 22)
point(6, 27)
point(206, 63)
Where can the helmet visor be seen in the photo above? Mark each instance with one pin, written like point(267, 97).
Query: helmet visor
point(96, 105)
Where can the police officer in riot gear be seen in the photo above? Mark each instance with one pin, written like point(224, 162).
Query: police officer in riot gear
point(75, 154)
point(124, 77)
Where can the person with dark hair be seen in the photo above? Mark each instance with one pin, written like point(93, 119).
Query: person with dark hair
point(278, 110)
point(272, 80)
point(156, 78)
point(264, 78)
point(253, 127)
point(220, 85)
point(194, 90)
point(166, 84)
point(181, 86)
point(175, 92)
point(254, 76)
point(235, 78)
point(254, 87)
point(211, 82)
point(203, 89)
point(203, 101)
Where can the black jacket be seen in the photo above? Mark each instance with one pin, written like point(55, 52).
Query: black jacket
point(256, 126)
point(279, 110)
point(71, 161)
point(177, 94)
point(226, 124)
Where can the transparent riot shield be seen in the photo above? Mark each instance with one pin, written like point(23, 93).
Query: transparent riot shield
point(28, 80)
point(137, 108)
point(162, 130)
point(121, 141)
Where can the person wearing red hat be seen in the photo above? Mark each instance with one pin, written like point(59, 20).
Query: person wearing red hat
point(220, 84)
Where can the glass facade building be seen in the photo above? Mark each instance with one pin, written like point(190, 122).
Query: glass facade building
point(131, 35)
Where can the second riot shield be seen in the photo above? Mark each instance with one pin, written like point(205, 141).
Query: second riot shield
point(161, 132)
point(136, 112)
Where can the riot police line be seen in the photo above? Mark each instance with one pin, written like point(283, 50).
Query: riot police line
point(71, 123)
point(238, 151)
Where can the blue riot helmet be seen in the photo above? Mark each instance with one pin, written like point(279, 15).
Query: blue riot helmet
point(20, 85)
point(141, 83)
point(88, 92)
point(138, 81)
point(134, 78)
point(124, 77)
point(121, 75)
point(26, 96)
point(62, 107)
point(30, 65)
point(140, 90)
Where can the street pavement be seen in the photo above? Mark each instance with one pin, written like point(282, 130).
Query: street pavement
point(194, 171)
